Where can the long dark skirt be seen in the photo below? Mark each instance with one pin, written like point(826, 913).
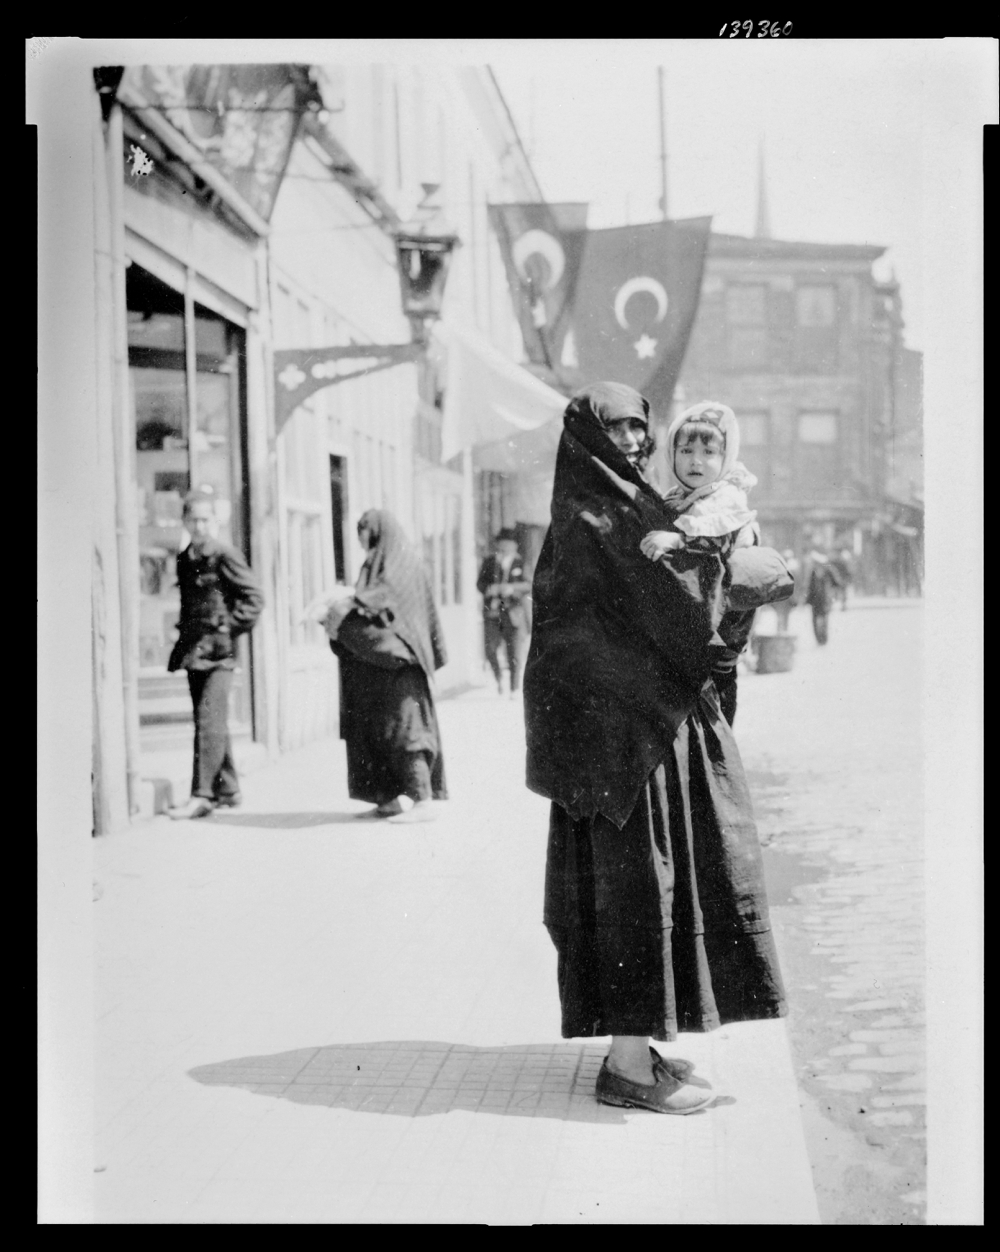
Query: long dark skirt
point(663, 926)
point(385, 717)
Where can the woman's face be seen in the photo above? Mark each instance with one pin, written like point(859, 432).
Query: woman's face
point(628, 435)
point(364, 537)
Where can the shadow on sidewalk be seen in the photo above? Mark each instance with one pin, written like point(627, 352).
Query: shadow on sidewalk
point(415, 1079)
point(286, 821)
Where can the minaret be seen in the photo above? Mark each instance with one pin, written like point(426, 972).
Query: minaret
point(763, 230)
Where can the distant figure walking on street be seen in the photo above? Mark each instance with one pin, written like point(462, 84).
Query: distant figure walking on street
point(842, 565)
point(389, 642)
point(220, 600)
point(784, 607)
point(823, 584)
point(504, 587)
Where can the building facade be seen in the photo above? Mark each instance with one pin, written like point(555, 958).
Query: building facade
point(804, 343)
point(233, 212)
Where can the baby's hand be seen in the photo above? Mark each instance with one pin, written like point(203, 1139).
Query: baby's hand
point(658, 542)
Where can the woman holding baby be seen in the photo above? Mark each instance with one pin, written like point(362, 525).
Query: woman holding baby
point(654, 891)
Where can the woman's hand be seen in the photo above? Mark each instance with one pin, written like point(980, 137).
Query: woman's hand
point(317, 609)
point(335, 614)
point(659, 542)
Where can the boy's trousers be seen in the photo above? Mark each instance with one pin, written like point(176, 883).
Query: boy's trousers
point(214, 774)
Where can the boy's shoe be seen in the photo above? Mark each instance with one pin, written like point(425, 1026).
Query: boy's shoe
point(229, 802)
point(197, 806)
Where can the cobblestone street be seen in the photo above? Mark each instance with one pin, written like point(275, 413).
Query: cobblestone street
point(834, 753)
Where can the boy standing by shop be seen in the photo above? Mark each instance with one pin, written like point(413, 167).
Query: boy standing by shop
point(220, 600)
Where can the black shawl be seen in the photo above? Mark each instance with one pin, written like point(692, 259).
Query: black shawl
point(393, 602)
point(621, 646)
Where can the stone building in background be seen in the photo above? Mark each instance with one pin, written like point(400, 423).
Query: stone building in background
point(805, 344)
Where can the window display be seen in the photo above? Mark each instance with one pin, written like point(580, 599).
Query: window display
point(173, 455)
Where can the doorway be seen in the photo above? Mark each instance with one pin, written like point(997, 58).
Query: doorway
point(338, 513)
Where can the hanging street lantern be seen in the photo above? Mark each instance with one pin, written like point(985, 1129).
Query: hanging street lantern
point(424, 248)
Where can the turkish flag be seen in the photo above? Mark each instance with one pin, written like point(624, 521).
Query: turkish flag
point(541, 245)
point(635, 299)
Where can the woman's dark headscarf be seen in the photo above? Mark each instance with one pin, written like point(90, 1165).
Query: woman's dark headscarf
point(393, 586)
point(619, 648)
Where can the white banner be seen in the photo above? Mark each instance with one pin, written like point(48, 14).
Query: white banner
point(488, 397)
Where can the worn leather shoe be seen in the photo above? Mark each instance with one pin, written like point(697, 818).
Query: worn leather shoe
point(682, 1070)
point(666, 1095)
point(674, 1066)
point(197, 806)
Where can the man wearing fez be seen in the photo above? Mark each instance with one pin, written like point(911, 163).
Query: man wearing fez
point(505, 615)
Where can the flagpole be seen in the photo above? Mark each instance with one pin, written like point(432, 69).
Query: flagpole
point(663, 145)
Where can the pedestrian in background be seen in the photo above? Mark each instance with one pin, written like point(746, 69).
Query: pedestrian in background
point(388, 639)
point(504, 588)
point(842, 565)
point(784, 607)
point(654, 889)
point(220, 600)
point(821, 588)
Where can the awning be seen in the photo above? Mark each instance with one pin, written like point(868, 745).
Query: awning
point(489, 399)
point(533, 452)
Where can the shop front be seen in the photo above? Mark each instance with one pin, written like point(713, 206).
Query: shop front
point(188, 414)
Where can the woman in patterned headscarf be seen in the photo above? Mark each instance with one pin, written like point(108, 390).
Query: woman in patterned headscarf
point(389, 642)
point(654, 892)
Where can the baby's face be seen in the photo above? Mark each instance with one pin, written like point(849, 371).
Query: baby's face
point(698, 459)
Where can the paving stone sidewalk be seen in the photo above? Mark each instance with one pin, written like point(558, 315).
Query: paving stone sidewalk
point(307, 1018)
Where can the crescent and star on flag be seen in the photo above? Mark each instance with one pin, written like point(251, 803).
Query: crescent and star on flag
point(540, 243)
point(645, 345)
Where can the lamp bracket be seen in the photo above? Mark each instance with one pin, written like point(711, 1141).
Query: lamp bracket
point(299, 372)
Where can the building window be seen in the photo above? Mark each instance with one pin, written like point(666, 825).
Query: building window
point(816, 328)
point(441, 544)
point(818, 453)
point(755, 446)
point(746, 326)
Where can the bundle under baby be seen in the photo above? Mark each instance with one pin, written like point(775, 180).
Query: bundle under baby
point(709, 495)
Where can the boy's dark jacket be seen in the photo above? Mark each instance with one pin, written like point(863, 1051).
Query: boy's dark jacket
point(220, 600)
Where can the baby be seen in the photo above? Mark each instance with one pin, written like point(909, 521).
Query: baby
point(710, 495)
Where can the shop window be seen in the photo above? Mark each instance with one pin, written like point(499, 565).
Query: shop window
point(441, 544)
point(175, 450)
point(816, 328)
point(305, 574)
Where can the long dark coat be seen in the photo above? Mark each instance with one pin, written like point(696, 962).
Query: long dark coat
point(389, 646)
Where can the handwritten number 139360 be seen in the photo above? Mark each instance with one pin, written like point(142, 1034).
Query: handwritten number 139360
point(776, 29)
